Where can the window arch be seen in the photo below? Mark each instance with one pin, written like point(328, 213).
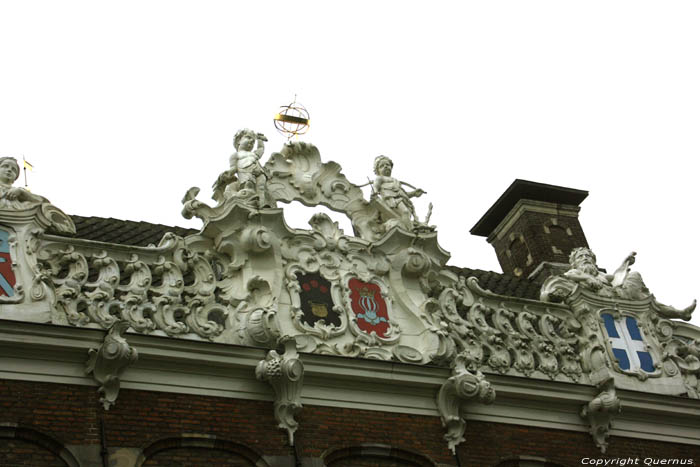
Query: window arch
point(50, 449)
point(201, 447)
point(374, 455)
point(527, 461)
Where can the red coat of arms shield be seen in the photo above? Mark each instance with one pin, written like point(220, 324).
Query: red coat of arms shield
point(369, 307)
point(7, 276)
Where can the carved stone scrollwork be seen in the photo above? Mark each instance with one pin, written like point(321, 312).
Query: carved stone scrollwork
point(109, 362)
point(463, 386)
point(329, 230)
point(684, 357)
point(70, 271)
point(100, 293)
point(262, 326)
point(600, 413)
point(285, 373)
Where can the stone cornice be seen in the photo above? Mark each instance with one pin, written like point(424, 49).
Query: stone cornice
point(56, 354)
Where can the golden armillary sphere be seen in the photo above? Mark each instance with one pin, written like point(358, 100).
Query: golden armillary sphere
point(292, 119)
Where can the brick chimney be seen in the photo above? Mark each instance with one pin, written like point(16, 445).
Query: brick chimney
point(533, 227)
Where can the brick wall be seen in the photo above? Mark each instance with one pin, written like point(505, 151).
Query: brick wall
point(488, 444)
point(240, 431)
point(538, 241)
point(17, 452)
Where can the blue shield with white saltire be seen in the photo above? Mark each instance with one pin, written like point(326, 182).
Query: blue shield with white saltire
point(7, 276)
point(627, 343)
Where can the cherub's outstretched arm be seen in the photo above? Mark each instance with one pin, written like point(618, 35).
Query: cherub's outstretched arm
point(416, 191)
point(260, 150)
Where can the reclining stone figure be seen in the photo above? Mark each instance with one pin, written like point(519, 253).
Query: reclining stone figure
point(622, 284)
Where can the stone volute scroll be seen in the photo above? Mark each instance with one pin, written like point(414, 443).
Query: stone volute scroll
point(285, 373)
point(107, 363)
point(461, 388)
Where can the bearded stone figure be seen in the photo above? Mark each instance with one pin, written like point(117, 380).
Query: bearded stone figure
point(622, 284)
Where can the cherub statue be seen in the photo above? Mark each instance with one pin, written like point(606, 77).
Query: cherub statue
point(14, 198)
point(394, 202)
point(246, 178)
point(623, 284)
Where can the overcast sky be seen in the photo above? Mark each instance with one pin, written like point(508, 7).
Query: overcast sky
point(123, 106)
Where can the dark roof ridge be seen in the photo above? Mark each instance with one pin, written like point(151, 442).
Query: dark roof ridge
point(142, 233)
point(125, 232)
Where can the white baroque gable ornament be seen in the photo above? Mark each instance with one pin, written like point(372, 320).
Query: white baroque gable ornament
point(247, 278)
point(332, 292)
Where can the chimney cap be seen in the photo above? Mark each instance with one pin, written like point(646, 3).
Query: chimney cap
point(525, 189)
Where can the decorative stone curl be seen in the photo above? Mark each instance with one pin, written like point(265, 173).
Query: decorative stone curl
point(285, 373)
point(600, 412)
point(109, 362)
point(462, 386)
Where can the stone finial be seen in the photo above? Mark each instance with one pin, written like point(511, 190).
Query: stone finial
point(462, 386)
point(109, 362)
point(285, 373)
point(600, 412)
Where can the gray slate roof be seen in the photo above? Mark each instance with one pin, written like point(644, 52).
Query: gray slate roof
point(124, 232)
point(502, 284)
